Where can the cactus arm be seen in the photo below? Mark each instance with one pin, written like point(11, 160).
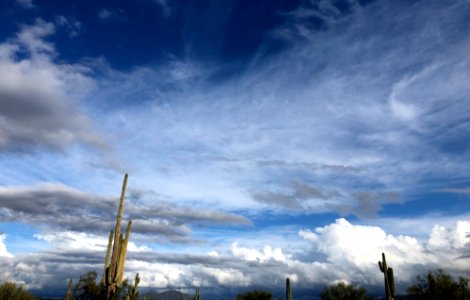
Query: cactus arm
point(122, 256)
point(383, 264)
point(108, 254)
point(135, 290)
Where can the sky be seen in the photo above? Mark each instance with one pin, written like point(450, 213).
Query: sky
point(263, 140)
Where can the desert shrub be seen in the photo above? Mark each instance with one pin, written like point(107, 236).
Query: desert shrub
point(13, 291)
point(343, 291)
point(88, 288)
point(439, 285)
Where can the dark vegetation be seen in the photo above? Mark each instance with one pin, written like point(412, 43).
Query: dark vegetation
point(342, 291)
point(13, 291)
point(436, 285)
point(439, 285)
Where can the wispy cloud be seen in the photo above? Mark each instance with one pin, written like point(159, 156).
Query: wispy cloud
point(72, 26)
point(25, 3)
point(166, 9)
point(378, 107)
point(109, 15)
point(454, 190)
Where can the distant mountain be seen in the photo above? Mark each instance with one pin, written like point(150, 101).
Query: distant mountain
point(167, 295)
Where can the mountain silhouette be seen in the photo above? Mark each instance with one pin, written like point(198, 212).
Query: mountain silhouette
point(167, 295)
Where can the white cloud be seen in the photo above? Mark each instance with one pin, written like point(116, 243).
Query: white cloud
point(358, 248)
point(70, 240)
point(161, 275)
point(31, 37)
point(3, 248)
point(403, 111)
point(267, 254)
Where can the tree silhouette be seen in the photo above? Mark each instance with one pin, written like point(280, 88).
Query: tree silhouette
point(13, 291)
point(439, 285)
point(343, 291)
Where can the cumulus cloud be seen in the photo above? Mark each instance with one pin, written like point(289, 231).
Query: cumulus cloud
point(38, 98)
point(268, 253)
point(338, 251)
point(356, 247)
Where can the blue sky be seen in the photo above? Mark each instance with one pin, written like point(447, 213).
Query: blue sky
point(289, 138)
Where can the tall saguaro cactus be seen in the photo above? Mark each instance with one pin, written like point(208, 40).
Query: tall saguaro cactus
point(388, 279)
point(288, 290)
point(68, 296)
point(114, 265)
point(196, 295)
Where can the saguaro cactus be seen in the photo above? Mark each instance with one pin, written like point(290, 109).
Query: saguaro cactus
point(388, 279)
point(196, 295)
point(68, 296)
point(288, 290)
point(133, 292)
point(114, 266)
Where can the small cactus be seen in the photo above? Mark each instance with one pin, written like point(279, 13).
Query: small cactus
point(288, 290)
point(388, 279)
point(133, 292)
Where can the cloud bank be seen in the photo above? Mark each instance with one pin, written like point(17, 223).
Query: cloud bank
point(338, 251)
